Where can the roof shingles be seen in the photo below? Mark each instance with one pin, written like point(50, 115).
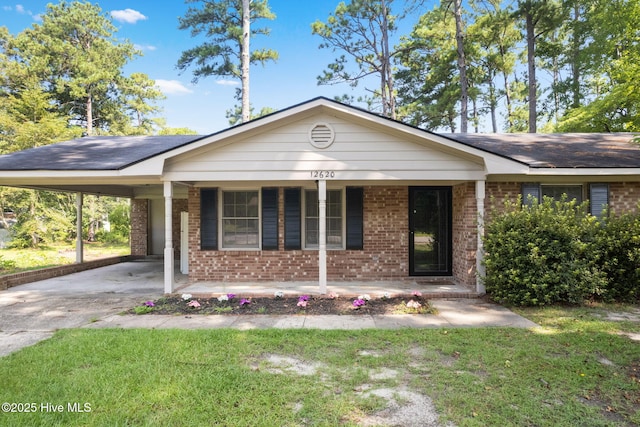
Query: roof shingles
point(93, 153)
point(568, 150)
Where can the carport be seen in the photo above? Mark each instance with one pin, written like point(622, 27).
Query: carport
point(105, 166)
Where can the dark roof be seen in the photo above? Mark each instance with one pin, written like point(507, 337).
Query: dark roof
point(575, 150)
point(569, 150)
point(93, 153)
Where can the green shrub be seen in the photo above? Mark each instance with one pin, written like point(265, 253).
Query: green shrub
point(542, 253)
point(6, 264)
point(617, 252)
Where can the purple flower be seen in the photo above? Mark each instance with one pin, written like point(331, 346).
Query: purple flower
point(245, 301)
point(149, 304)
point(231, 296)
point(359, 303)
point(303, 298)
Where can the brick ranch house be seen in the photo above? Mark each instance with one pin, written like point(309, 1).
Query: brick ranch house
point(322, 191)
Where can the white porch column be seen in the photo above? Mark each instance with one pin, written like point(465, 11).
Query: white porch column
point(79, 245)
point(322, 235)
point(480, 272)
point(168, 237)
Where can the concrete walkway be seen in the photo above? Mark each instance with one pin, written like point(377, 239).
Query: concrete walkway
point(96, 299)
point(452, 313)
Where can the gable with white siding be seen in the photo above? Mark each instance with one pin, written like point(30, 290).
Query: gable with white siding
point(358, 153)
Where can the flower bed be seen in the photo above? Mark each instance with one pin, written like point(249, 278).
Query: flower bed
point(286, 305)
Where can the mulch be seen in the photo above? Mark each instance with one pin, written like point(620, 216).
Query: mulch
point(280, 306)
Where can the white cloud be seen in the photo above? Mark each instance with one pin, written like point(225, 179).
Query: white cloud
point(146, 47)
point(129, 16)
point(172, 87)
point(22, 11)
point(227, 82)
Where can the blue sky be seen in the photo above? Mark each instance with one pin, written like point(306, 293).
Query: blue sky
point(152, 26)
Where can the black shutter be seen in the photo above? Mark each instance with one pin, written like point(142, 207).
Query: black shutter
point(598, 198)
point(292, 218)
point(209, 219)
point(355, 218)
point(530, 189)
point(270, 219)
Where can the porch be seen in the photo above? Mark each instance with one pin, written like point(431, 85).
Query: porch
point(429, 288)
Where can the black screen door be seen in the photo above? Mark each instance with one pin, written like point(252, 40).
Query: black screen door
point(430, 231)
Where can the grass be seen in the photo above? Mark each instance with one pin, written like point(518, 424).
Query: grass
point(574, 370)
point(59, 254)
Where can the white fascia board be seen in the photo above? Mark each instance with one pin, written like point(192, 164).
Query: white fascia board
point(52, 178)
point(596, 172)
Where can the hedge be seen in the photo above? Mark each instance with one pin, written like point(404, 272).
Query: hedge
point(555, 252)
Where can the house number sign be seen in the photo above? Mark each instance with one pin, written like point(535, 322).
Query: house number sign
point(322, 174)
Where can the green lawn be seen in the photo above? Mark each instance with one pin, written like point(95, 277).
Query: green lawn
point(60, 254)
point(575, 370)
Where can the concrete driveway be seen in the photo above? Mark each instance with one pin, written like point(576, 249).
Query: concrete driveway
point(33, 312)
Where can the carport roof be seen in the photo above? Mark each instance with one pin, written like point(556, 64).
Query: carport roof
point(93, 153)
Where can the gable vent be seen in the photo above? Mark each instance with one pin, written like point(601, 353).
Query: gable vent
point(321, 135)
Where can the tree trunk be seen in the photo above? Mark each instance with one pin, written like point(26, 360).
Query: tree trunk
point(245, 59)
point(89, 129)
point(388, 99)
point(493, 105)
point(507, 91)
point(575, 69)
point(531, 61)
point(462, 67)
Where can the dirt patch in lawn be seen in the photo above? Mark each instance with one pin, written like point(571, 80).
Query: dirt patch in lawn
point(402, 407)
point(308, 305)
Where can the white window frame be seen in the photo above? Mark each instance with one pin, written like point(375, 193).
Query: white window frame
point(221, 219)
point(343, 220)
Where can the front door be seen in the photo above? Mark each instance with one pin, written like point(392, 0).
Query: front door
point(430, 239)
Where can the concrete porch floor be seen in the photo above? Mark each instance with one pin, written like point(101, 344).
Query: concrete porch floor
point(428, 288)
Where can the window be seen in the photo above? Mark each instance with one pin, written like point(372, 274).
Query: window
point(334, 219)
point(538, 191)
point(598, 194)
point(240, 220)
point(557, 191)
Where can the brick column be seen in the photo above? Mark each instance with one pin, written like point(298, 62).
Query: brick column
point(139, 226)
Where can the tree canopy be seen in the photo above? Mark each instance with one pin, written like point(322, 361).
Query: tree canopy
point(74, 57)
point(226, 50)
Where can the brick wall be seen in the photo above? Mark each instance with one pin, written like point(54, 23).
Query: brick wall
point(384, 257)
point(465, 233)
point(139, 226)
point(498, 192)
point(624, 196)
